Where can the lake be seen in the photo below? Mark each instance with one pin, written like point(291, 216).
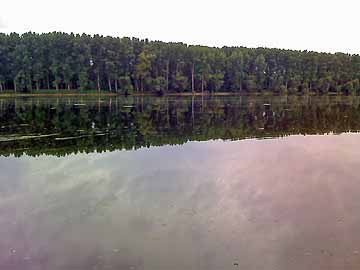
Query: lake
point(180, 183)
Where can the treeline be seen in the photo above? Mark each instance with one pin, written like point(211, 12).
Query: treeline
point(31, 61)
point(64, 126)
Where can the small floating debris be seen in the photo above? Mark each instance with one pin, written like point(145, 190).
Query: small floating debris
point(79, 104)
point(267, 104)
point(13, 250)
point(128, 106)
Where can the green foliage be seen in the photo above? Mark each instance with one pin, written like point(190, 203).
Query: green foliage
point(126, 85)
point(159, 84)
point(83, 80)
point(68, 61)
point(181, 83)
point(142, 69)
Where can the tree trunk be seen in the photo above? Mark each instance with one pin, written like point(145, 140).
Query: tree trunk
point(109, 83)
point(202, 83)
point(136, 86)
point(68, 86)
point(14, 86)
point(37, 86)
point(167, 76)
point(192, 78)
point(1, 87)
point(48, 81)
point(98, 82)
point(116, 85)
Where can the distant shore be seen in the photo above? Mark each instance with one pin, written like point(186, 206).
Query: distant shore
point(95, 94)
point(112, 94)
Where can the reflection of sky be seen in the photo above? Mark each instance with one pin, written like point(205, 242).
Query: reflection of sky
point(287, 203)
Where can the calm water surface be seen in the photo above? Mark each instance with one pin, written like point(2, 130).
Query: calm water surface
point(164, 183)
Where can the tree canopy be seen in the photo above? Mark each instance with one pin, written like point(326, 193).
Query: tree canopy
point(32, 61)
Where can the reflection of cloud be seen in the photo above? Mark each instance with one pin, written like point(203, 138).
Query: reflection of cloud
point(158, 206)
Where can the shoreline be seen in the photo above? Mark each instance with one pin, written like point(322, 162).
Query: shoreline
point(187, 94)
point(172, 94)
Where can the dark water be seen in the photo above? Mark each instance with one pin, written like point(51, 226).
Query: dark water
point(165, 183)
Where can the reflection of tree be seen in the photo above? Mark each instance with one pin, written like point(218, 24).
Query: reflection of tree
point(128, 123)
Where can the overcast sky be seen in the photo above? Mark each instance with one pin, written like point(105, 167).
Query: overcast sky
point(320, 25)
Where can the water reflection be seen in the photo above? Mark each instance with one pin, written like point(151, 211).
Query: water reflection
point(281, 203)
point(63, 126)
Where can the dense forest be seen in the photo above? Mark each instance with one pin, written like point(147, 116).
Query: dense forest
point(64, 126)
point(30, 62)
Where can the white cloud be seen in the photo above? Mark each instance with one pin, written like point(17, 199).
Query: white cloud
point(322, 25)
